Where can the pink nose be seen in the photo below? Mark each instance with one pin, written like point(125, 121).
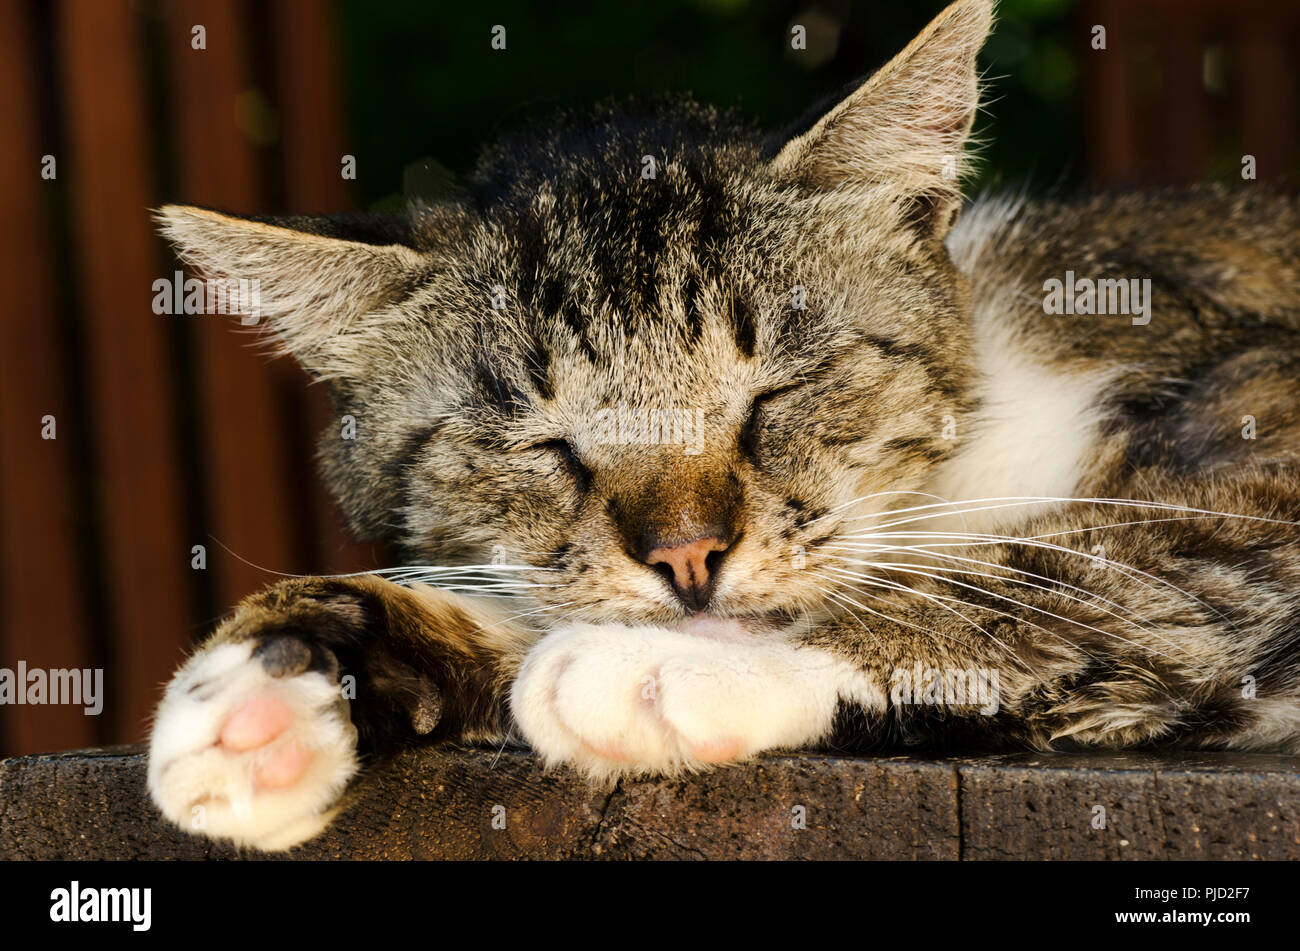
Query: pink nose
point(690, 568)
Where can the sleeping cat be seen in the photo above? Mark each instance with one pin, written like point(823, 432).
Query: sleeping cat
point(703, 443)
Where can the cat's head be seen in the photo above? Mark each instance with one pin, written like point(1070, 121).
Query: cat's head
point(649, 350)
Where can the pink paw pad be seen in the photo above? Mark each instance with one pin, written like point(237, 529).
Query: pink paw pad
point(614, 751)
point(716, 751)
point(281, 767)
point(256, 723)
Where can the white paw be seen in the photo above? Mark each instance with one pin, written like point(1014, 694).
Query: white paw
point(239, 753)
point(629, 700)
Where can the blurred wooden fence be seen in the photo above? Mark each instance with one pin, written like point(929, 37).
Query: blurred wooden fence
point(171, 431)
point(1186, 88)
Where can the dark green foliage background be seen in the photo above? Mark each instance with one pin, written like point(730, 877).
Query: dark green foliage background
point(424, 83)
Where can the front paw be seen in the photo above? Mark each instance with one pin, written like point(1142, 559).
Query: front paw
point(617, 700)
point(253, 742)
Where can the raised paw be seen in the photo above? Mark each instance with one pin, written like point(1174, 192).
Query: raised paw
point(253, 742)
point(615, 700)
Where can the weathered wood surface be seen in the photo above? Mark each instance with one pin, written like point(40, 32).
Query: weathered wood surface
point(441, 804)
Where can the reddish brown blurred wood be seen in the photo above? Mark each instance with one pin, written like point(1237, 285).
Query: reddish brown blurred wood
point(1263, 55)
point(42, 587)
point(244, 424)
point(1111, 146)
point(1161, 131)
point(1185, 119)
point(312, 138)
point(306, 74)
point(133, 423)
point(264, 499)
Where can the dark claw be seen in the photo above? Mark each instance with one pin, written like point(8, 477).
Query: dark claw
point(426, 711)
point(283, 656)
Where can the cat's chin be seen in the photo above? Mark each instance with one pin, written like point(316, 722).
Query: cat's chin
point(732, 629)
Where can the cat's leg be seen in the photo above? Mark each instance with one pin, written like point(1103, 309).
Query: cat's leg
point(261, 731)
point(614, 700)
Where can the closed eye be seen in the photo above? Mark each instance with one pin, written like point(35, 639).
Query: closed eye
point(569, 458)
point(753, 425)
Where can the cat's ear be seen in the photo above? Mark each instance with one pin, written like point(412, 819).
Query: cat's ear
point(907, 125)
point(313, 281)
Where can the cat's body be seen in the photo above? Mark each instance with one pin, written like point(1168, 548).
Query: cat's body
point(889, 500)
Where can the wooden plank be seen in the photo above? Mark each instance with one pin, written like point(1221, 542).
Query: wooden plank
point(1265, 96)
point(1107, 96)
point(1171, 141)
point(1163, 12)
point(149, 577)
point(1183, 146)
point(311, 107)
point(312, 143)
point(42, 586)
point(251, 503)
point(1030, 806)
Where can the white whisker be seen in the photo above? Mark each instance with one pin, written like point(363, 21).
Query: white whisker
point(1013, 501)
point(967, 539)
point(1018, 571)
point(1010, 600)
